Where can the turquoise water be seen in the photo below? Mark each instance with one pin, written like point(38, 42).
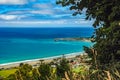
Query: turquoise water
point(27, 44)
point(24, 49)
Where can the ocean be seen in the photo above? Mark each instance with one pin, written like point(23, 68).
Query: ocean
point(19, 44)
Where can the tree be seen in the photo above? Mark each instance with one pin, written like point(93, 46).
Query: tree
point(62, 67)
point(11, 77)
point(23, 73)
point(45, 71)
point(35, 74)
point(106, 16)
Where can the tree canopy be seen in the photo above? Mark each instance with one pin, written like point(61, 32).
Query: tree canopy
point(103, 11)
point(105, 53)
point(106, 16)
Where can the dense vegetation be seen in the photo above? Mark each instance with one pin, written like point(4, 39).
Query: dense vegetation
point(58, 69)
point(44, 71)
point(105, 53)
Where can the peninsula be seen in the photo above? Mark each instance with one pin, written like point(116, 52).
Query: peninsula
point(73, 39)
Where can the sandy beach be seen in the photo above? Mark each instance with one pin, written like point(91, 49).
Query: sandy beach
point(35, 62)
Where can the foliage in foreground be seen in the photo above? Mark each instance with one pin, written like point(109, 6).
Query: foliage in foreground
point(105, 53)
point(62, 71)
point(43, 72)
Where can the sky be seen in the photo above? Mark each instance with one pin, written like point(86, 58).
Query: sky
point(39, 13)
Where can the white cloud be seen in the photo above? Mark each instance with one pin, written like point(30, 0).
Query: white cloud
point(61, 15)
point(11, 17)
point(43, 6)
point(41, 23)
point(13, 2)
point(17, 12)
point(47, 23)
point(82, 21)
point(43, 12)
point(8, 17)
point(35, 22)
point(62, 21)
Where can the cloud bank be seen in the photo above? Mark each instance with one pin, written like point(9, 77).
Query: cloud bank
point(13, 2)
point(42, 12)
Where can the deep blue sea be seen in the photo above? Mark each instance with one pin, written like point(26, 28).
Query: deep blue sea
point(18, 44)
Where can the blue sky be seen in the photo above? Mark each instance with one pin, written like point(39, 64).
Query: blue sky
point(38, 13)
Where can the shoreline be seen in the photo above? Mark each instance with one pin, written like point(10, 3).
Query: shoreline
point(36, 61)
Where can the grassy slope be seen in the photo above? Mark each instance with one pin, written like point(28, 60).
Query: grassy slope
point(6, 73)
